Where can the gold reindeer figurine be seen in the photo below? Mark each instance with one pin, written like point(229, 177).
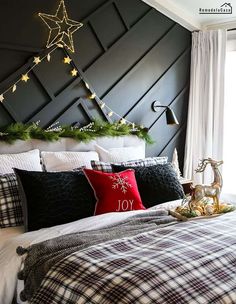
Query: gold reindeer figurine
point(211, 191)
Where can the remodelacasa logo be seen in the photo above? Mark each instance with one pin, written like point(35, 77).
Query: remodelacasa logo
point(225, 8)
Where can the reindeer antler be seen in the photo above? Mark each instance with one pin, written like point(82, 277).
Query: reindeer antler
point(202, 165)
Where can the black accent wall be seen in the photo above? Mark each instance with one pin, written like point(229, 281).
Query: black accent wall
point(130, 54)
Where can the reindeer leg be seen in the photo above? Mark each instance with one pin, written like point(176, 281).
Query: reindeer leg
point(217, 203)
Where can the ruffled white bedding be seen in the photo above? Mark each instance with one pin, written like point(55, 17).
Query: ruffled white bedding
point(11, 238)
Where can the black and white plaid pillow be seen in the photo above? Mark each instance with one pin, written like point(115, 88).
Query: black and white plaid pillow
point(11, 213)
point(146, 162)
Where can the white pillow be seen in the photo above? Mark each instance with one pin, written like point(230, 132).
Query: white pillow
point(120, 154)
point(26, 161)
point(66, 161)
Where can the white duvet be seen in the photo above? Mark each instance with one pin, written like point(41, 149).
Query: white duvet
point(10, 239)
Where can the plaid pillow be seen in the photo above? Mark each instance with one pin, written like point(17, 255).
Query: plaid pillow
point(146, 162)
point(11, 213)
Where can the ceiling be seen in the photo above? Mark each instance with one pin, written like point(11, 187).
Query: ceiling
point(186, 12)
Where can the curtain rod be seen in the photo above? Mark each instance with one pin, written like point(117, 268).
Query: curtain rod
point(229, 30)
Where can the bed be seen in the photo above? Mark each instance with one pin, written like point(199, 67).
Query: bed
point(140, 256)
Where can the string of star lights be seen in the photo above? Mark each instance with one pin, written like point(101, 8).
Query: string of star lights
point(93, 96)
point(25, 77)
point(61, 29)
point(110, 112)
point(74, 73)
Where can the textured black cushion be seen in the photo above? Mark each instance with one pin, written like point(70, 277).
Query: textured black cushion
point(156, 184)
point(54, 198)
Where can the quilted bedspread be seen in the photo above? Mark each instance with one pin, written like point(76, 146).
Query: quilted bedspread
point(186, 262)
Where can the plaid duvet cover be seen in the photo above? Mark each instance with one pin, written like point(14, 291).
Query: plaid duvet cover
point(189, 262)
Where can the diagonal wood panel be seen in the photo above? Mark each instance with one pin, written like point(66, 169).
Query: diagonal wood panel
point(129, 53)
point(154, 64)
point(137, 42)
point(165, 90)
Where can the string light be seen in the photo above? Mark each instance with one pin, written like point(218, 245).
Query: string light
point(110, 112)
point(25, 77)
point(92, 96)
point(60, 35)
point(74, 72)
point(61, 28)
point(102, 105)
point(37, 60)
point(14, 88)
point(67, 60)
point(87, 86)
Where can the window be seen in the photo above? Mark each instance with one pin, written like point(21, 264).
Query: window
point(229, 148)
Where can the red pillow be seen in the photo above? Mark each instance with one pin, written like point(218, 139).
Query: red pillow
point(115, 192)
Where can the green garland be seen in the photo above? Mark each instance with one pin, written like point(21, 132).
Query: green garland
point(19, 131)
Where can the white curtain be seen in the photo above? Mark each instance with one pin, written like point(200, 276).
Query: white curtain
point(229, 146)
point(206, 102)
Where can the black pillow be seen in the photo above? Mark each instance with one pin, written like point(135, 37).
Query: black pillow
point(54, 198)
point(156, 184)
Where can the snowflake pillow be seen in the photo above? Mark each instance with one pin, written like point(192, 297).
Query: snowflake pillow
point(115, 192)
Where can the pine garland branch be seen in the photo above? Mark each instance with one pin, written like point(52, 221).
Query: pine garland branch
point(19, 131)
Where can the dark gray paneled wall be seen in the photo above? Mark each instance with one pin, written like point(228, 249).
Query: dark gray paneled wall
point(129, 53)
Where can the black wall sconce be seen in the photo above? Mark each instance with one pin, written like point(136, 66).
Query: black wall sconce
point(171, 119)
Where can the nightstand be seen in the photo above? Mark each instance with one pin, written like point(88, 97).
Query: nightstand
point(186, 183)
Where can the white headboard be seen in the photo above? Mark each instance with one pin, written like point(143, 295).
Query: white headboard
point(67, 144)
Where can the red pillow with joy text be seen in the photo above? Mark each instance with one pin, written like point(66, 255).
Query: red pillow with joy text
point(115, 192)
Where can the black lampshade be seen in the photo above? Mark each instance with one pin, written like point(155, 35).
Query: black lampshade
point(170, 117)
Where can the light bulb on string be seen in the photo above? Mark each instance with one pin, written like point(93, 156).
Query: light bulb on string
point(87, 85)
point(14, 88)
point(102, 105)
point(92, 96)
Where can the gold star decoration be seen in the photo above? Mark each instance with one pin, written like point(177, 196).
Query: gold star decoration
point(1, 98)
point(25, 77)
point(37, 60)
point(67, 60)
point(74, 72)
point(92, 96)
point(61, 28)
